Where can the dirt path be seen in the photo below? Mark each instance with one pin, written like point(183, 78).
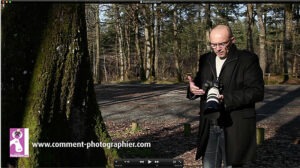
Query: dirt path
point(144, 102)
point(161, 111)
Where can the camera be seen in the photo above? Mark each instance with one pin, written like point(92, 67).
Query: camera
point(213, 89)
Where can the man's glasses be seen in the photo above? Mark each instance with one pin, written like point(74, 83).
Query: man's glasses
point(222, 45)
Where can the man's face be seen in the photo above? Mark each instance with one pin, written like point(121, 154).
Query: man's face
point(220, 42)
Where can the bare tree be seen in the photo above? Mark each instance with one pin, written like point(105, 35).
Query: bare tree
point(93, 35)
point(288, 28)
point(296, 41)
point(262, 37)
point(156, 34)
point(120, 37)
point(176, 49)
point(250, 20)
point(98, 71)
point(208, 24)
point(139, 70)
point(127, 39)
point(147, 45)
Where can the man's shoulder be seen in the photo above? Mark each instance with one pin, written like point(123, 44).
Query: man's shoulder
point(246, 55)
point(206, 55)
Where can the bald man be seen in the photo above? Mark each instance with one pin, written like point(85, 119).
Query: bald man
point(229, 82)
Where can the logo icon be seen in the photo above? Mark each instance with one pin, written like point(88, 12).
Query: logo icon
point(19, 142)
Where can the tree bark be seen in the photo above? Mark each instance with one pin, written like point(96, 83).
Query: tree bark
point(120, 37)
point(208, 25)
point(93, 36)
point(296, 40)
point(262, 38)
point(176, 49)
point(148, 46)
point(127, 60)
point(288, 28)
point(98, 59)
point(60, 103)
point(156, 39)
point(140, 67)
point(250, 20)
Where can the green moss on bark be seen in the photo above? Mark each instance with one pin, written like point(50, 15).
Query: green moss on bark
point(61, 104)
point(20, 40)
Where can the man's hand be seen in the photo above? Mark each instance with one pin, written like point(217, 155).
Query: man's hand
point(221, 97)
point(195, 89)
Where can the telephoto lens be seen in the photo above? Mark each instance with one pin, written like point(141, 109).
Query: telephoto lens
point(212, 101)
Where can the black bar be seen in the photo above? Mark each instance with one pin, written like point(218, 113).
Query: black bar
point(148, 163)
point(161, 1)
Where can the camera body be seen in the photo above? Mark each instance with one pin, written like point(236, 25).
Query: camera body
point(213, 90)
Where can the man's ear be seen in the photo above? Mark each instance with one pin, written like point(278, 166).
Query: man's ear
point(232, 39)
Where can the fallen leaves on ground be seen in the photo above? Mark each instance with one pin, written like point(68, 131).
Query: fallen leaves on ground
point(168, 141)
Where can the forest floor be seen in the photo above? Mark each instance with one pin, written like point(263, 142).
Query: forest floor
point(162, 110)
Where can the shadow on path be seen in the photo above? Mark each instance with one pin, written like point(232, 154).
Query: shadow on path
point(271, 107)
point(169, 141)
point(114, 94)
point(281, 150)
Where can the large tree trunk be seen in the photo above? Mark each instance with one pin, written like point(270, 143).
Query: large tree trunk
point(60, 100)
point(262, 38)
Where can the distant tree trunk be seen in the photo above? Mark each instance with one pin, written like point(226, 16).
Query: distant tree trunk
point(208, 25)
point(277, 58)
point(117, 57)
point(98, 70)
point(104, 68)
point(288, 28)
point(280, 61)
point(199, 36)
point(262, 38)
point(61, 104)
point(176, 49)
point(152, 18)
point(120, 36)
point(199, 33)
point(296, 35)
point(127, 55)
point(89, 19)
point(156, 39)
point(148, 49)
point(140, 66)
point(250, 20)
point(93, 36)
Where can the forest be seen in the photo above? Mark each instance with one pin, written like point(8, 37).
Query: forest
point(53, 54)
point(164, 41)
